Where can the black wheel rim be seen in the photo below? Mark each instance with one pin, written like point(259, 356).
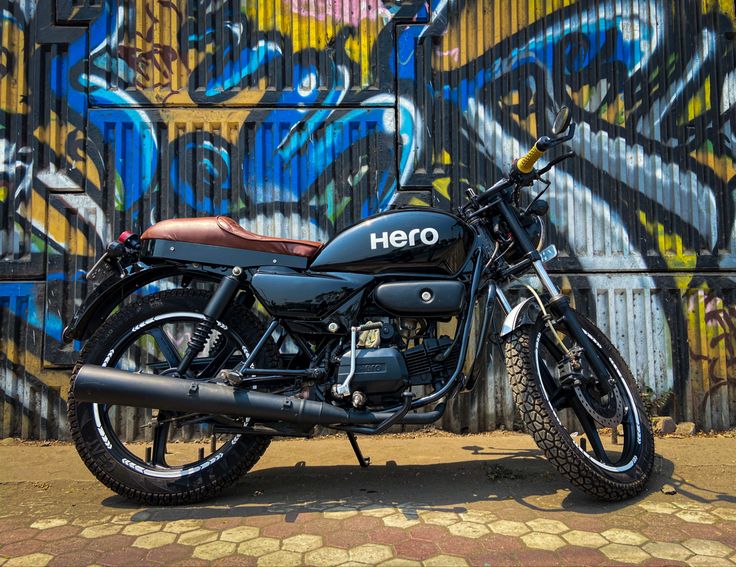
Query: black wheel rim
point(573, 417)
point(163, 352)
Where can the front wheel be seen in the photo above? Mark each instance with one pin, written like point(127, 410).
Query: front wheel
point(602, 442)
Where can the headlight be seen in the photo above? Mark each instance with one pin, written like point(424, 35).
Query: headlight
point(539, 234)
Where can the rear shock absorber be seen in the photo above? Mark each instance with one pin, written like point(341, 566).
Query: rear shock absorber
point(223, 296)
point(201, 335)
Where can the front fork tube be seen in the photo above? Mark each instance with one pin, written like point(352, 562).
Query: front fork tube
point(558, 304)
point(223, 296)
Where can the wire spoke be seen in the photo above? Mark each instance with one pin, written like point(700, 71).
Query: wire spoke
point(168, 348)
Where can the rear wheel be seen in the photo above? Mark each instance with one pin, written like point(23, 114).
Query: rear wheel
point(602, 442)
point(138, 452)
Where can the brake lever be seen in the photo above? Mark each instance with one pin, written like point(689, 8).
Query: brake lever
point(554, 162)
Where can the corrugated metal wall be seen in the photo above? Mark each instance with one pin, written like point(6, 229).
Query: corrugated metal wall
point(298, 118)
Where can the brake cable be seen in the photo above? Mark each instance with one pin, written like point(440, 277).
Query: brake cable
point(546, 316)
point(547, 183)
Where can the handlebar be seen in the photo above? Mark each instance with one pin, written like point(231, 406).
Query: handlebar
point(500, 185)
point(523, 166)
point(526, 163)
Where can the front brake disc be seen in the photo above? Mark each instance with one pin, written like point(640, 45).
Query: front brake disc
point(606, 409)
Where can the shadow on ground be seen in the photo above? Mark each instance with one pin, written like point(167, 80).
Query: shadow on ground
point(523, 478)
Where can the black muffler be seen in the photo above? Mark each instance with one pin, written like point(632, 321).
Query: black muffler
point(102, 385)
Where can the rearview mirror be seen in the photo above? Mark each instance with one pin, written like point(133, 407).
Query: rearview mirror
point(562, 121)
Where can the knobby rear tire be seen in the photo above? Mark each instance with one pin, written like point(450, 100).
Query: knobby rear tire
point(553, 439)
point(106, 462)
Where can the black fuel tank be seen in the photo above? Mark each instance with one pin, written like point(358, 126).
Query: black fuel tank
point(407, 240)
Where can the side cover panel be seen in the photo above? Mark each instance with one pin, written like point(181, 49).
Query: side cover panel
point(296, 295)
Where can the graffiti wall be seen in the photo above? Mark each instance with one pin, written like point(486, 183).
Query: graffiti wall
point(300, 117)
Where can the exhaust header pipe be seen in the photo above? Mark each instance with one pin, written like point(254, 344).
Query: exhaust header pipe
point(102, 385)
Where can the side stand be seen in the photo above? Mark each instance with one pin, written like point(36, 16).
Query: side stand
point(364, 461)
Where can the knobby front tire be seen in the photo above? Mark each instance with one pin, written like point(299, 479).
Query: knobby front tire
point(532, 385)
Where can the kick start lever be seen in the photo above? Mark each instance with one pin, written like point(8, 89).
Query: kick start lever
point(343, 389)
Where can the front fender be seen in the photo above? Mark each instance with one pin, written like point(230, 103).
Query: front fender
point(523, 314)
point(110, 293)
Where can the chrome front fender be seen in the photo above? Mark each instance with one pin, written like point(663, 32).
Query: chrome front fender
point(525, 313)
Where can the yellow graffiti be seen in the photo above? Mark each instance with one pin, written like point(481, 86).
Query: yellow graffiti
point(698, 104)
point(479, 20)
point(670, 245)
point(225, 123)
point(723, 166)
point(727, 7)
point(615, 112)
point(58, 228)
point(418, 202)
point(152, 51)
point(711, 342)
point(442, 186)
point(13, 87)
point(580, 97)
point(56, 135)
point(316, 25)
point(162, 71)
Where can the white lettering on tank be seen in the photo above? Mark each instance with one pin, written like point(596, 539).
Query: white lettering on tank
point(375, 240)
point(429, 236)
point(399, 238)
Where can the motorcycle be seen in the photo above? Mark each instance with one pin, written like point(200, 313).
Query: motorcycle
point(353, 340)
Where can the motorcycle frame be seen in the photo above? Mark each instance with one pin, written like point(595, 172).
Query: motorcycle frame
point(225, 294)
point(166, 259)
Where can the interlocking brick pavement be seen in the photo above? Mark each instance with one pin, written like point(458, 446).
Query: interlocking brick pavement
point(429, 507)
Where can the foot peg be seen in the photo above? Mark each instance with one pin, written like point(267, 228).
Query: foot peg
point(363, 461)
point(232, 377)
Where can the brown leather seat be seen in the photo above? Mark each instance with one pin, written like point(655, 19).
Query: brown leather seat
point(224, 231)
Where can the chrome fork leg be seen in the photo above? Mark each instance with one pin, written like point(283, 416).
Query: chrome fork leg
point(503, 301)
point(543, 276)
point(560, 306)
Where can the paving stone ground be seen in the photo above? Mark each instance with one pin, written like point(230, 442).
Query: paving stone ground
point(434, 500)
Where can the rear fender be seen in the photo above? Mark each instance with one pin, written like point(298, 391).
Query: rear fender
point(115, 289)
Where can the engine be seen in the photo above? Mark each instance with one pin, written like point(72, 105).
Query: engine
point(410, 312)
point(383, 373)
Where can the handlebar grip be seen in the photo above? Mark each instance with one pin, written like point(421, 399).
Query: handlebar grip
point(526, 163)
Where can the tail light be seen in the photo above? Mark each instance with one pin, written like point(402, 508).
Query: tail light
point(130, 240)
